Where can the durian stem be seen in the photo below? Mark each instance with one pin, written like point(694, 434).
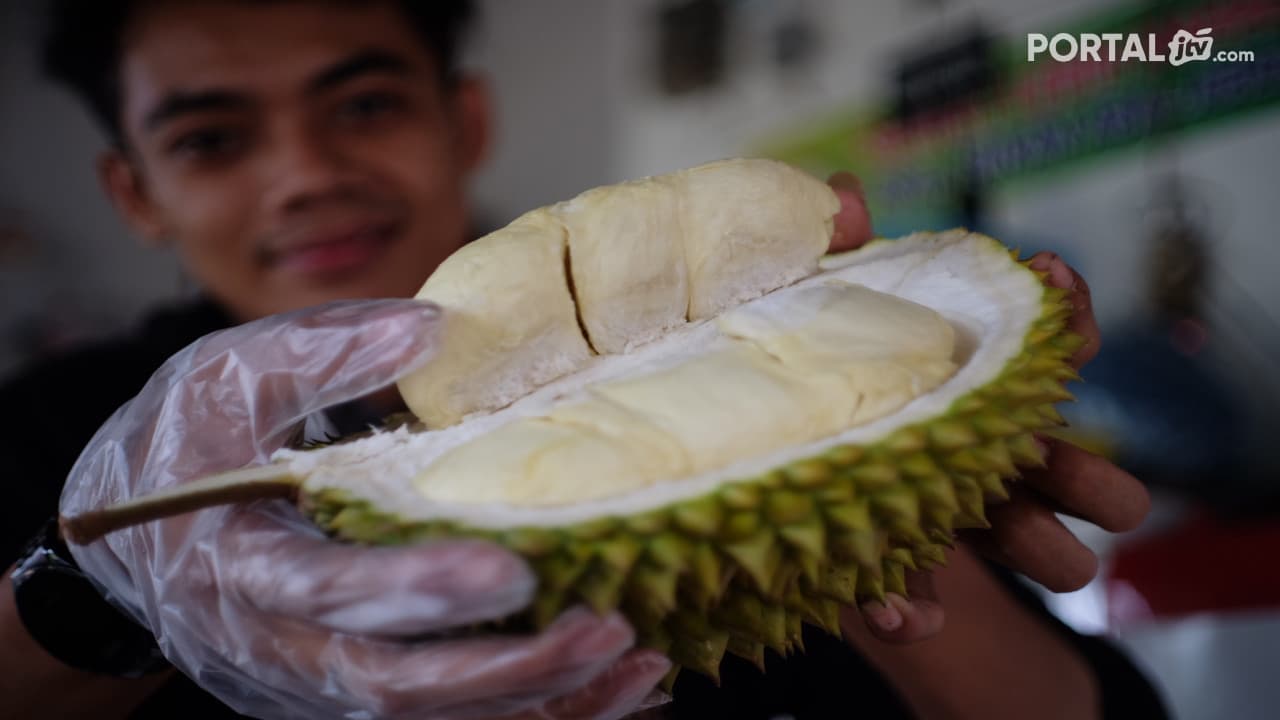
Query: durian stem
point(251, 483)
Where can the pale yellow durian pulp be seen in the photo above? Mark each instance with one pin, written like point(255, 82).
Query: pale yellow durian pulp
point(620, 266)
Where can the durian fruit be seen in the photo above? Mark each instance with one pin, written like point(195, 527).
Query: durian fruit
point(666, 399)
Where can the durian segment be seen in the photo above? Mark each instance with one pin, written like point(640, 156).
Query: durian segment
point(510, 323)
point(531, 462)
point(666, 456)
point(888, 349)
point(634, 433)
point(641, 257)
point(626, 256)
point(816, 364)
point(734, 403)
point(750, 226)
point(803, 364)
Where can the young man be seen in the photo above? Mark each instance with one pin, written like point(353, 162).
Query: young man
point(295, 153)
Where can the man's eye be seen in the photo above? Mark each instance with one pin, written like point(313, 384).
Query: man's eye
point(368, 106)
point(206, 144)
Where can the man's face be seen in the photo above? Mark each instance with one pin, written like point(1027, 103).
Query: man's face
point(295, 152)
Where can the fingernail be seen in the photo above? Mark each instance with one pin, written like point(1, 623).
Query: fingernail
point(1059, 272)
point(605, 638)
point(379, 321)
point(636, 691)
point(850, 196)
point(883, 616)
point(430, 310)
point(1044, 261)
point(652, 664)
point(1061, 276)
point(899, 603)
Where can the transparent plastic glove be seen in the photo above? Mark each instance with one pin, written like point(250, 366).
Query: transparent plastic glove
point(258, 607)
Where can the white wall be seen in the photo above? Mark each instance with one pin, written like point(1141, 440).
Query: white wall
point(858, 42)
point(83, 256)
point(553, 69)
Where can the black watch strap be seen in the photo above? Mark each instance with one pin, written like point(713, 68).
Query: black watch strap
point(64, 612)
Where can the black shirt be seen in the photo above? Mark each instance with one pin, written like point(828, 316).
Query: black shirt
point(54, 408)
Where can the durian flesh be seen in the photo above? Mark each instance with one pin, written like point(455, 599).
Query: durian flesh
point(794, 366)
point(723, 441)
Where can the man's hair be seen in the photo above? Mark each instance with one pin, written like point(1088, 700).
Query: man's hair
point(83, 45)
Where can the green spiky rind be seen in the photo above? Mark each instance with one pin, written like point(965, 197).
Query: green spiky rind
point(740, 569)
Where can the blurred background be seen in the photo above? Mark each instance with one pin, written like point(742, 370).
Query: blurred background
point(1158, 182)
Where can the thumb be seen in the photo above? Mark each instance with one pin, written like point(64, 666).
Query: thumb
point(336, 351)
point(251, 385)
point(852, 223)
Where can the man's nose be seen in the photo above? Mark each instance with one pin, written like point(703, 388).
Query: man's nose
point(306, 167)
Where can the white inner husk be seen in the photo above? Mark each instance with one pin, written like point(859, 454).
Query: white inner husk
point(967, 278)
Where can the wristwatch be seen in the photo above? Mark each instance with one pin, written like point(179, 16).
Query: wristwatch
point(64, 612)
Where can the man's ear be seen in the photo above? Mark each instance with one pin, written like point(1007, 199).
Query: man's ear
point(474, 115)
point(127, 191)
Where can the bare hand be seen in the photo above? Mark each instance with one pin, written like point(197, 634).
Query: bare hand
point(1025, 535)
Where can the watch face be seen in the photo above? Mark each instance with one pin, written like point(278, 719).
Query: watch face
point(64, 612)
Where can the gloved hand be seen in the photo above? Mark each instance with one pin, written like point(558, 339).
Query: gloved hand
point(262, 610)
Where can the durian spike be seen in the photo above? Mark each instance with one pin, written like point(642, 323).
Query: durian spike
point(259, 482)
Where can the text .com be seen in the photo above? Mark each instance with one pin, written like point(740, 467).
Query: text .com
point(1184, 47)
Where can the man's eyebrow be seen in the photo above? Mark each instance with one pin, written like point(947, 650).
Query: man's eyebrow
point(360, 63)
point(182, 102)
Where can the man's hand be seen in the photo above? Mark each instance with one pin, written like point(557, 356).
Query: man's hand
point(853, 222)
point(1025, 534)
point(278, 621)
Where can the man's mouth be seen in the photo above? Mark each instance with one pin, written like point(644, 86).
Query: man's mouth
point(331, 254)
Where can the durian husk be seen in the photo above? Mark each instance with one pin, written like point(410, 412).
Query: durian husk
point(740, 568)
